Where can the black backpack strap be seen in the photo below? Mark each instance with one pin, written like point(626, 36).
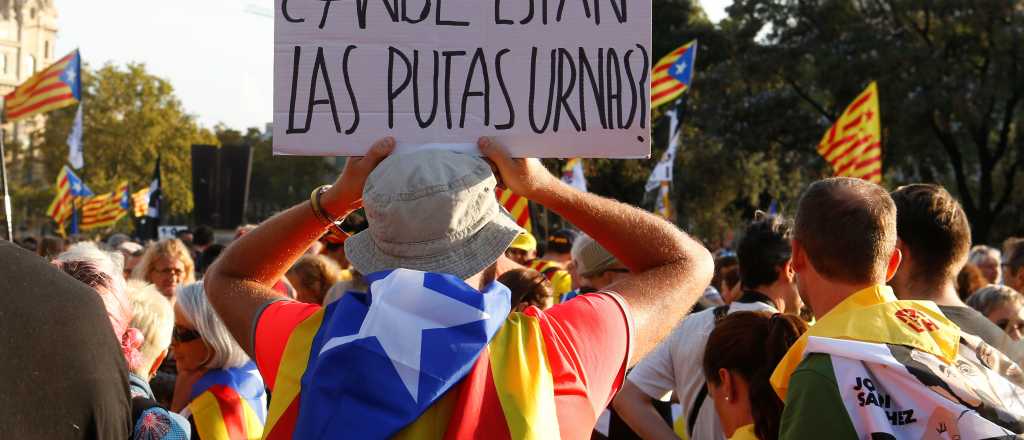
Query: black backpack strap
point(695, 411)
point(720, 313)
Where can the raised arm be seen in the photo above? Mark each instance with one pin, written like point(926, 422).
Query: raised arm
point(240, 282)
point(669, 270)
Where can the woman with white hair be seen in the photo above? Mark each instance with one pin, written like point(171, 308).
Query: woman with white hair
point(218, 386)
point(988, 260)
point(102, 272)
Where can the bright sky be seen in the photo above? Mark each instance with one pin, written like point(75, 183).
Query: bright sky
point(218, 56)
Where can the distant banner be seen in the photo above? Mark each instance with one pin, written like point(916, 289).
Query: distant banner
point(546, 78)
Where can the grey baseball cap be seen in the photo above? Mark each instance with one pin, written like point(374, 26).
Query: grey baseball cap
point(433, 211)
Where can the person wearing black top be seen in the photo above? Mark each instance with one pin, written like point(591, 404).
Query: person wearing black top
point(62, 374)
point(935, 238)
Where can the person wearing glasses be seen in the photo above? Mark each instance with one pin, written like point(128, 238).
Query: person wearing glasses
point(1003, 306)
point(218, 386)
point(167, 265)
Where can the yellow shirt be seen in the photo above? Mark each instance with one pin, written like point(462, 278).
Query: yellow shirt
point(745, 432)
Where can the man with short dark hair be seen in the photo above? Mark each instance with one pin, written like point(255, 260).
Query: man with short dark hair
point(559, 247)
point(934, 239)
point(1013, 265)
point(874, 366)
point(202, 238)
point(767, 279)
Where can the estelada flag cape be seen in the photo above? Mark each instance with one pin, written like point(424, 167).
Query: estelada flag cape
point(380, 365)
point(903, 370)
point(229, 404)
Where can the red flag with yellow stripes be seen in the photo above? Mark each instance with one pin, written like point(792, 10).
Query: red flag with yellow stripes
point(673, 74)
point(59, 86)
point(853, 146)
point(518, 206)
point(105, 210)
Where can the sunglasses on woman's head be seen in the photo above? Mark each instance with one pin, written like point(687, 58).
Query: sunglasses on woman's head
point(182, 334)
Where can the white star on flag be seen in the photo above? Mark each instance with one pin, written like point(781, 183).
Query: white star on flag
point(71, 76)
point(680, 68)
point(400, 310)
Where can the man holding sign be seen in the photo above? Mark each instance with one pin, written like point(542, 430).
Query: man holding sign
point(433, 351)
point(547, 78)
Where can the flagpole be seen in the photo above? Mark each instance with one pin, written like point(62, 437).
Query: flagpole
point(7, 196)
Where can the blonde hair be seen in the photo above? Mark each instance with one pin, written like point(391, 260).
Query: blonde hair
point(154, 316)
point(191, 298)
point(311, 269)
point(171, 248)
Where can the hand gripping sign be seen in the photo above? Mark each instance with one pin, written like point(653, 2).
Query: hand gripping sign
point(548, 78)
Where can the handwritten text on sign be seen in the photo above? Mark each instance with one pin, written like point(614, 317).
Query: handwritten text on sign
point(549, 78)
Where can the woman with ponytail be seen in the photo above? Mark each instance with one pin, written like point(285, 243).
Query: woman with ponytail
point(102, 272)
point(741, 355)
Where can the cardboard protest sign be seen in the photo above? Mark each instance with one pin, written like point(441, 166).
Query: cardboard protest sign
point(548, 78)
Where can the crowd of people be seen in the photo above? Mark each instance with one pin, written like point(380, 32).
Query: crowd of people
point(869, 314)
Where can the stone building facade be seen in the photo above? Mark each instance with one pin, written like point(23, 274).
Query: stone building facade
point(28, 36)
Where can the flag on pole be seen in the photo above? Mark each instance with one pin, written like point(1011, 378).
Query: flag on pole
point(76, 156)
point(59, 86)
point(140, 202)
point(518, 206)
point(155, 193)
point(148, 226)
point(572, 173)
point(673, 74)
point(69, 186)
point(853, 146)
point(105, 210)
point(663, 171)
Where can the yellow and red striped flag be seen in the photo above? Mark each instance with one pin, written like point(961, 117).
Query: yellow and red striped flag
point(673, 74)
point(60, 85)
point(518, 206)
point(105, 210)
point(853, 146)
point(140, 202)
point(69, 186)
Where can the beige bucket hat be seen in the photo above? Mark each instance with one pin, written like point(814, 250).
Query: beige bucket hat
point(433, 211)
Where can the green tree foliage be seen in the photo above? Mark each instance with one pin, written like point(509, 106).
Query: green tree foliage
point(130, 117)
point(774, 75)
point(949, 77)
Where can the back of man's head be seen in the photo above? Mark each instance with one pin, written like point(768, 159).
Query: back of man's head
point(934, 229)
point(763, 250)
point(203, 236)
point(561, 241)
point(847, 228)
